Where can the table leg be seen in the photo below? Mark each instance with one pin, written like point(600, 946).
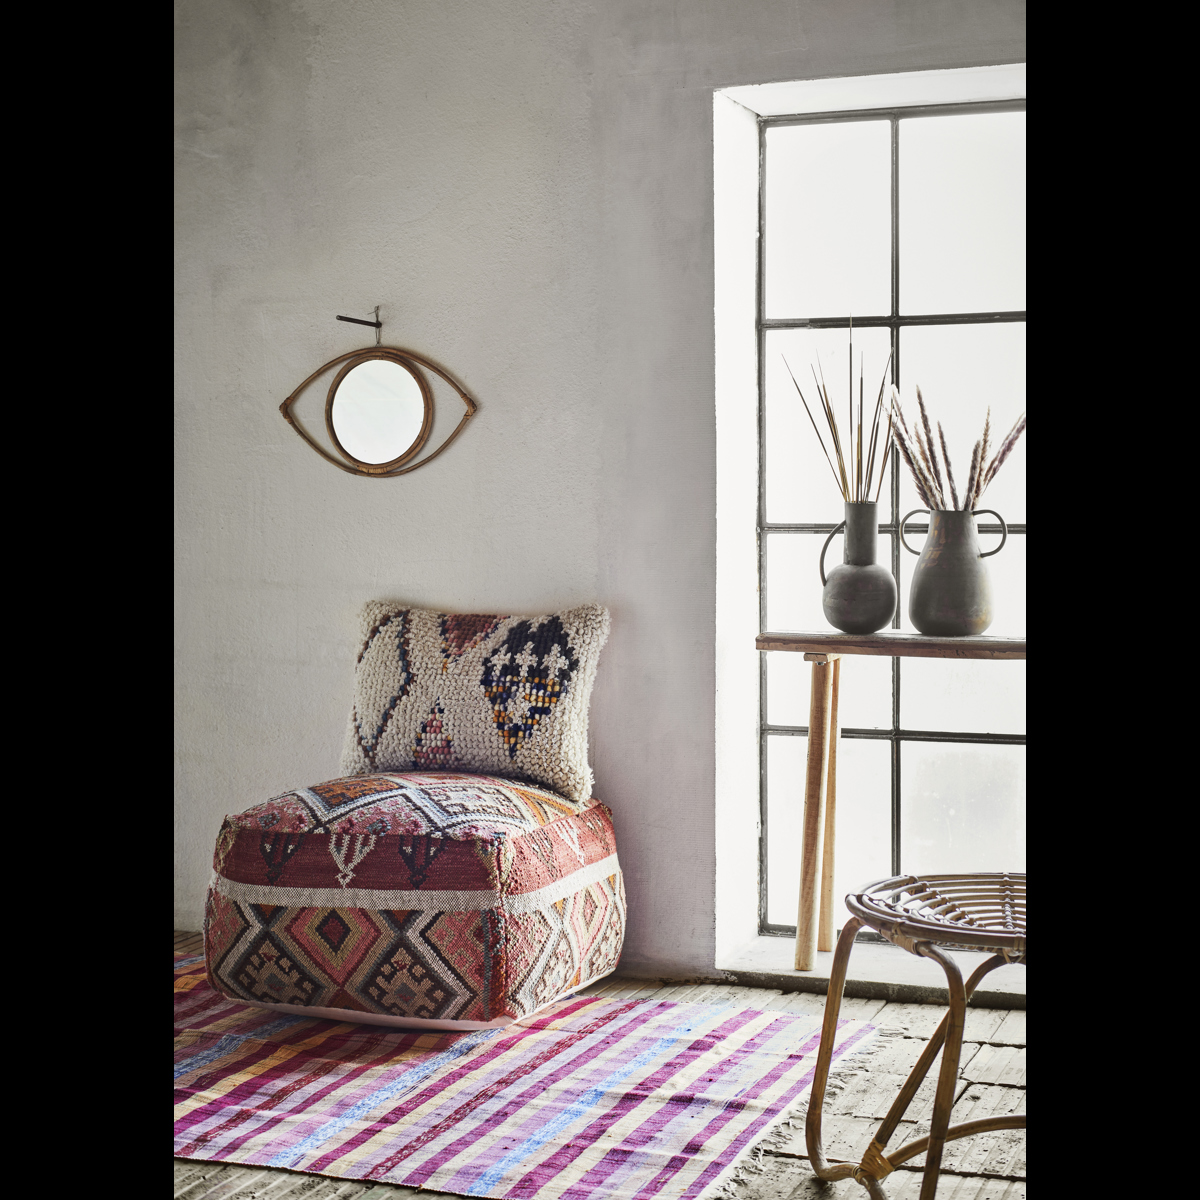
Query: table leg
point(807, 916)
point(828, 915)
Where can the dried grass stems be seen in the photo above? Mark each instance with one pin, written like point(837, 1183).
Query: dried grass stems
point(856, 465)
point(919, 451)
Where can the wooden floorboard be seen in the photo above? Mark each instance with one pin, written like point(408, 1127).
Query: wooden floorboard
point(189, 943)
point(989, 1166)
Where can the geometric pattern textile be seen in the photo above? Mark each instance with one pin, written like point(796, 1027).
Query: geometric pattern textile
point(593, 1099)
point(498, 695)
point(432, 899)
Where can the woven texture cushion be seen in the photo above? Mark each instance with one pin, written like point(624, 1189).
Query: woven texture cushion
point(436, 897)
point(489, 694)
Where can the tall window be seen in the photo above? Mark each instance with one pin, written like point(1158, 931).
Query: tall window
point(911, 220)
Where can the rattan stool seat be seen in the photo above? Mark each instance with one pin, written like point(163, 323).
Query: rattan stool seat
point(975, 912)
point(921, 913)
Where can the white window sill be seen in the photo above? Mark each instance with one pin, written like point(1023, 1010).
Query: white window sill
point(876, 972)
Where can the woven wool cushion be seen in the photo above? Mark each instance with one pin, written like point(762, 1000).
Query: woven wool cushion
point(491, 694)
point(434, 900)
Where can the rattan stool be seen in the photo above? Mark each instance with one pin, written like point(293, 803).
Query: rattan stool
point(920, 913)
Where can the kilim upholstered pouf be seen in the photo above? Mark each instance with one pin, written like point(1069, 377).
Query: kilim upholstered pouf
point(438, 900)
point(460, 897)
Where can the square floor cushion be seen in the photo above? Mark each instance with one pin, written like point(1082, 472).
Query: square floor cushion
point(441, 900)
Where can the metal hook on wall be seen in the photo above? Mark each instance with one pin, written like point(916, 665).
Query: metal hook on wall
point(376, 324)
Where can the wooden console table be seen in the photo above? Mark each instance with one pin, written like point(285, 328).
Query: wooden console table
point(824, 651)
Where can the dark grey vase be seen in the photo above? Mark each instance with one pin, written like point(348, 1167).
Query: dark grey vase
point(860, 595)
point(951, 594)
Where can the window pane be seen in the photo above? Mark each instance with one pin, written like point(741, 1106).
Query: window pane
point(793, 584)
point(786, 757)
point(864, 819)
point(864, 694)
point(963, 370)
point(1006, 571)
point(962, 808)
point(962, 696)
point(962, 213)
point(828, 220)
point(863, 830)
point(800, 485)
point(788, 683)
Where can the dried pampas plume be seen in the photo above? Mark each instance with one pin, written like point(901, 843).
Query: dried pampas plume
point(920, 452)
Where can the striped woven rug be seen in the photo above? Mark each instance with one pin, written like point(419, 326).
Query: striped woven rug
point(595, 1099)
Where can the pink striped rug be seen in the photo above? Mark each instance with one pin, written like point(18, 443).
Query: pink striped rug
point(595, 1099)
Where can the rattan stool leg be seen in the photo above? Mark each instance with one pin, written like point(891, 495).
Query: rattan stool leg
point(943, 1099)
point(917, 1075)
point(918, 1147)
point(816, 1098)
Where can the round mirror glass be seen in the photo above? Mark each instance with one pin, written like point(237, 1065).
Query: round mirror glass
point(377, 411)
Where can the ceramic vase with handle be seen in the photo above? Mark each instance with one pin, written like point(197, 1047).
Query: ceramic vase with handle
point(859, 595)
point(951, 594)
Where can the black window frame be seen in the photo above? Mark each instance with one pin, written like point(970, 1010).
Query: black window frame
point(894, 322)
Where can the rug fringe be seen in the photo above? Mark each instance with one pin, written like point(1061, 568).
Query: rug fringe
point(750, 1161)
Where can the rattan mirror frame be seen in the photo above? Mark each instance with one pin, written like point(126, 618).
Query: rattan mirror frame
point(411, 362)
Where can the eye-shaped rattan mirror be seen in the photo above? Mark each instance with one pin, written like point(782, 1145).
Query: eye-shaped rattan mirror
point(379, 411)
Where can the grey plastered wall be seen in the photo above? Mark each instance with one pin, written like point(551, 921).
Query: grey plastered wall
point(525, 186)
